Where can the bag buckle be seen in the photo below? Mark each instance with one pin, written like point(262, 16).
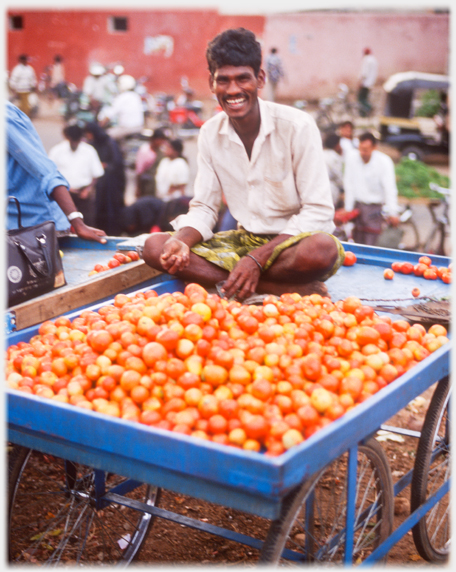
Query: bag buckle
point(41, 239)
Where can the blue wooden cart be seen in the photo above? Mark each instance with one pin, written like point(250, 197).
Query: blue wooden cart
point(285, 489)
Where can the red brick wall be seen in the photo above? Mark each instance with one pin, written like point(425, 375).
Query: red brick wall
point(82, 37)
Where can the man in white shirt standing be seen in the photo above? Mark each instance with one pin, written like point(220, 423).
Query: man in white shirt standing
point(126, 111)
point(370, 187)
point(267, 160)
point(79, 163)
point(22, 82)
point(368, 77)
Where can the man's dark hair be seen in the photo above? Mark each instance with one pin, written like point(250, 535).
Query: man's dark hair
point(331, 141)
point(368, 136)
point(235, 47)
point(177, 145)
point(347, 122)
point(73, 132)
point(158, 134)
point(23, 58)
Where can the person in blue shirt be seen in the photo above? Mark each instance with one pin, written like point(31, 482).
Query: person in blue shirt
point(35, 181)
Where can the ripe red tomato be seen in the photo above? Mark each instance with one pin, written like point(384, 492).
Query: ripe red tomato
point(133, 255)
point(120, 257)
point(388, 274)
point(419, 269)
point(425, 260)
point(430, 274)
point(350, 258)
point(113, 263)
point(407, 268)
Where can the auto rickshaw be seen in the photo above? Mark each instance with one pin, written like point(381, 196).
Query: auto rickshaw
point(416, 114)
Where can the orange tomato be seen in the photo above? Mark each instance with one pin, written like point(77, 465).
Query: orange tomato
point(350, 258)
point(425, 260)
point(407, 268)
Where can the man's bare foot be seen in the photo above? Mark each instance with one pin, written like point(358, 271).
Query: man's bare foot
point(314, 287)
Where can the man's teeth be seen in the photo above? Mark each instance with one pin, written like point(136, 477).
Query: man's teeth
point(237, 101)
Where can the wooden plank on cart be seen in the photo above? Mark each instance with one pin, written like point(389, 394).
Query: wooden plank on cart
point(69, 298)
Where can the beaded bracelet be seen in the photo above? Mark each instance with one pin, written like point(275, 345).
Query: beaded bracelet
point(257, 263)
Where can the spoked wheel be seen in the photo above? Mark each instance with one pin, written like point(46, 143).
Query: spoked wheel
point(410, 239)
point(55, 519)
point(432, 534)
point(312, 526)
point(436, 242)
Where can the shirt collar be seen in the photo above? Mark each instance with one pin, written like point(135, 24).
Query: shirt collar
point(266, 126)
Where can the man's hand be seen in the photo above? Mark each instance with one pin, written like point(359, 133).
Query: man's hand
point(175, 255)
point(394, 220)
point(88, 232)
point(243, 279)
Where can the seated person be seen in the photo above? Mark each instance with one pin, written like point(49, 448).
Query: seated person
point(267, 160)
point(173, 173)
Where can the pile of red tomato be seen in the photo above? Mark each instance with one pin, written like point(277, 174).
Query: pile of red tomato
point(260, 378)
point(117, 259)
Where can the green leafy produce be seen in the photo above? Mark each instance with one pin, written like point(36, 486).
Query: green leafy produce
point(413, 178)
point(430, 104)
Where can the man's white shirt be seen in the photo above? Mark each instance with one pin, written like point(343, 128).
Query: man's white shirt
point(370, 183)
point(78, 167)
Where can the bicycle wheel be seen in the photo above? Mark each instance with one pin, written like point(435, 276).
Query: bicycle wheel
point(432, 469)
point(435, 244)
point(410, 239)
point(325, 123)
point(54, 518)
point(312, 526)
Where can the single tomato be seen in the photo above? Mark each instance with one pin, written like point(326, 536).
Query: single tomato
point(350, 258)
point(407, 268)
point(388, 274)
point(133, 255)
point(425, 260)
point(430, 274)
point(120, 257)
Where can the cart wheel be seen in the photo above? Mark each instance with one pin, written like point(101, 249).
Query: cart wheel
point(432, 469)
point(54, 520)
point(413, 152)
point(312, 525)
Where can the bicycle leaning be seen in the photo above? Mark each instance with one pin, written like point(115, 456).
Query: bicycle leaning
point(333, 110)
point(439, 209)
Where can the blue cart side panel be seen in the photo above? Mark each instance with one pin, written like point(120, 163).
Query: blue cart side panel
point(169, 460)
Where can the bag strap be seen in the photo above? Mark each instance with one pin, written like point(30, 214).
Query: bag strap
point(18, 205)
point(42, 241)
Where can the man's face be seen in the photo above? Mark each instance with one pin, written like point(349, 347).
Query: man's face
point(156, 144)
point(346, 131)
point(365, 150)
point(74, 144)
point(236, 89)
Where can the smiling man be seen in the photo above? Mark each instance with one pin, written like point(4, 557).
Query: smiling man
point(267, 160)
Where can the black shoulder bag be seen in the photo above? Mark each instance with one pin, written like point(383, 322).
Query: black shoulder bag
point(34, 264)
